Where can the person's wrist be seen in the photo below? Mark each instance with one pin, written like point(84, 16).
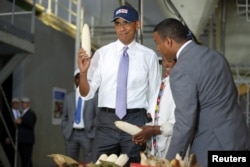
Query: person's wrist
point(156, 130)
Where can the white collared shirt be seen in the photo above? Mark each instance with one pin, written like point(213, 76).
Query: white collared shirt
point(166, 118)
point(16, 113)
point(144, 75)
point(25, 110)
point(182, 47)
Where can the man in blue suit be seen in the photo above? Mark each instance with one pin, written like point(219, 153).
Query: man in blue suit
point(208, 116)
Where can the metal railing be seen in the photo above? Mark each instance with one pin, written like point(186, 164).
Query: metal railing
point(243, 8)
point(242, 79)
point(13, 142)
point(64, 9)
point(70, 11)
point(13, 13)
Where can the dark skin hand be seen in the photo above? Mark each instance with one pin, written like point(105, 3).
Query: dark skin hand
point(146, 133)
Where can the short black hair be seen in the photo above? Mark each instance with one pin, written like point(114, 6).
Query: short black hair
point(172, 28)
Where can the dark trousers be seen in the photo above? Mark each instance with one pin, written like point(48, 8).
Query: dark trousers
point(110, 140)
point(25, 151)
point(79, 141)
point(10, 153)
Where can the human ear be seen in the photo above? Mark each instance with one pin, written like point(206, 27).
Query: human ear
point(168, 41)
point(138, 25)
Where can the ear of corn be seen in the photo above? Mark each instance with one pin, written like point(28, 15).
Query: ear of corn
point(69, 160)
point(175, 163)
point(61, 159)
point(193, 161)
point(112, 158)
point(181, 161)
point(102, 157)
point(164, 162)
point(121, 160)
point(161, 162)
point(127, 127)
point(153, 161)
point(144, 159)
point(85, 39)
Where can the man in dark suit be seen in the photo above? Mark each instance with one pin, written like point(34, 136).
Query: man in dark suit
point(26, 135)
point(207, 112)
point(14, 114)
point(78, 135)
point(6, 140)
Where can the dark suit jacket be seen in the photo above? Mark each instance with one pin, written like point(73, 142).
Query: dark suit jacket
point(207, 110)
point(26, 132)
point(89, 113)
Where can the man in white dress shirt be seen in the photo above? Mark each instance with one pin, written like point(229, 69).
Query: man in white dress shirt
point(16, 108)
point(143, 79)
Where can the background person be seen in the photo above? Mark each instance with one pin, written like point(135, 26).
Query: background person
point(78, 136)
point(26, 135)
point(16, 108)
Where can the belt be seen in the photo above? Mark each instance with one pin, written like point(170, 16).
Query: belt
point(129, 111)
point(78, 130)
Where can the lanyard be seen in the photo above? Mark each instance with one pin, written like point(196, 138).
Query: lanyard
point(157, 110)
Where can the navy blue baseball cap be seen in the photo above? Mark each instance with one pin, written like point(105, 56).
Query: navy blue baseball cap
point(127, 13)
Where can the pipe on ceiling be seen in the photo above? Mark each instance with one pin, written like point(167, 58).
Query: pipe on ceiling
point(181, 18)
point(140, 31)
point(223, 27)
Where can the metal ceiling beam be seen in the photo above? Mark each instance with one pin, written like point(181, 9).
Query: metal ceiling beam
point(182, 19)
point(10, 66)
point(13, 40)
